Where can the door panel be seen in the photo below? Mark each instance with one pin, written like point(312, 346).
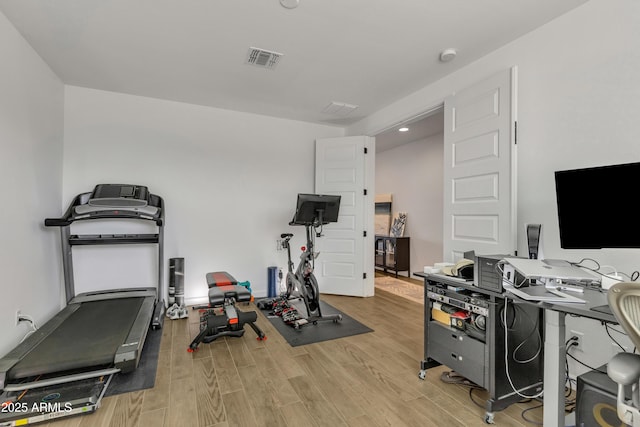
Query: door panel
point(479, 175)
point(345, 263)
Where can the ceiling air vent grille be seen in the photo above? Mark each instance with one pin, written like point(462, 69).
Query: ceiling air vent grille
point(263, 58)
point(339, 109)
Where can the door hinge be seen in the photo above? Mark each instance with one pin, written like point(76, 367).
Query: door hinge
point(364, 275)
point(365, 150)
point(515, 133)
point(364, 233)
point(365, 191)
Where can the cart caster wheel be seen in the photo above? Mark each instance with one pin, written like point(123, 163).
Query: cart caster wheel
point(422, 374)
point(488, 418)
point(315, 322)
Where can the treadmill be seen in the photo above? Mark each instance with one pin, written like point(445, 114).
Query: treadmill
point(68, 362)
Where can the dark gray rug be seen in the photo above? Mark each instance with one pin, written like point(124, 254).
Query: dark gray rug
point(144, 376)
point(322, 331)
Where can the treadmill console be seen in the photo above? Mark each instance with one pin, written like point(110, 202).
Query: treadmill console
point(119, 195)
point(109, 199)
point(112, 201)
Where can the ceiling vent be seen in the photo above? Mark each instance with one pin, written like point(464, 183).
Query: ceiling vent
point(339, 109)
point(263, 58)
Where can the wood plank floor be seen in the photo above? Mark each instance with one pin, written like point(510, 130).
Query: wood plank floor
point(364, 380)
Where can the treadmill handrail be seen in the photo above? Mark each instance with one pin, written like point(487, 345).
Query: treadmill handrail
point(119, 212)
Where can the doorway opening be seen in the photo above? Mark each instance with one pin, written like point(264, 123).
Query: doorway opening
point(409, 173)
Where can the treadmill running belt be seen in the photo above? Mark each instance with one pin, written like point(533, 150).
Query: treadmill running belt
point(88, 338)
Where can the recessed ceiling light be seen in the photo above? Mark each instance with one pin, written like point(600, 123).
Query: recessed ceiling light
point(403, 129)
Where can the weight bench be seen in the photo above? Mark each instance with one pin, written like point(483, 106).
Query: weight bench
point(224, 292)
point(222, 278)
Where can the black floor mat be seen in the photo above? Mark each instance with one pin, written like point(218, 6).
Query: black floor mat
point(322, 331)
point(144, 376)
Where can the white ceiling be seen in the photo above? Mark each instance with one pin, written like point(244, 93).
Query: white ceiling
point(368, 53)
point(420, 128)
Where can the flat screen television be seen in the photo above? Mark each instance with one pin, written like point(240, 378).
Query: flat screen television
point(598, 207)
point(316, 209)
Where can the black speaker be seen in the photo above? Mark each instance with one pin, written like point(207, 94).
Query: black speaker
point(533, 239)
point(596, 400)
point(176, 281)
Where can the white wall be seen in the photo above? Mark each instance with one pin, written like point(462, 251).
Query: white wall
point(31, 133)
point(413, 173)
point(229, 180)
point(578, 103)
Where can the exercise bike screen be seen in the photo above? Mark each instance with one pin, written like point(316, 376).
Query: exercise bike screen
point(309, 206)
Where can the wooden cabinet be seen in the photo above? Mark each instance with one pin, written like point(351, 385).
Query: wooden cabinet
point(392, 253)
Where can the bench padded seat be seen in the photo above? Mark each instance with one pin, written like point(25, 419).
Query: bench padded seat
point(218, 294)
point(220, 278)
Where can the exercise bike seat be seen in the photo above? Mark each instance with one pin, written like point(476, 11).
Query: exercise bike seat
point(219, 294)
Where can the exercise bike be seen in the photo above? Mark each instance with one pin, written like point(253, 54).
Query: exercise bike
point(313, 211)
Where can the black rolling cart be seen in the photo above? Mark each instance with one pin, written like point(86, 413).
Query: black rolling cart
point(477, 347)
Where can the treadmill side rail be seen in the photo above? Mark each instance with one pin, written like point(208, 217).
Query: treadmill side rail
point(128, 354)
point(115, 294)
point(158, 316)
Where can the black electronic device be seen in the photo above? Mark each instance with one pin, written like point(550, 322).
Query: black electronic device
point(452, 301)
point(316, 209)
point(584, 222)
point(119, 195)
point(462, 299)
point(596, 400)
point(486, 274)
point(533, 240)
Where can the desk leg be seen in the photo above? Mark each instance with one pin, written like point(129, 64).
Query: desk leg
point(554, 362)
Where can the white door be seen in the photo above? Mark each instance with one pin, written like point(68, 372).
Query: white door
point(479, 169)
point(345, 167)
